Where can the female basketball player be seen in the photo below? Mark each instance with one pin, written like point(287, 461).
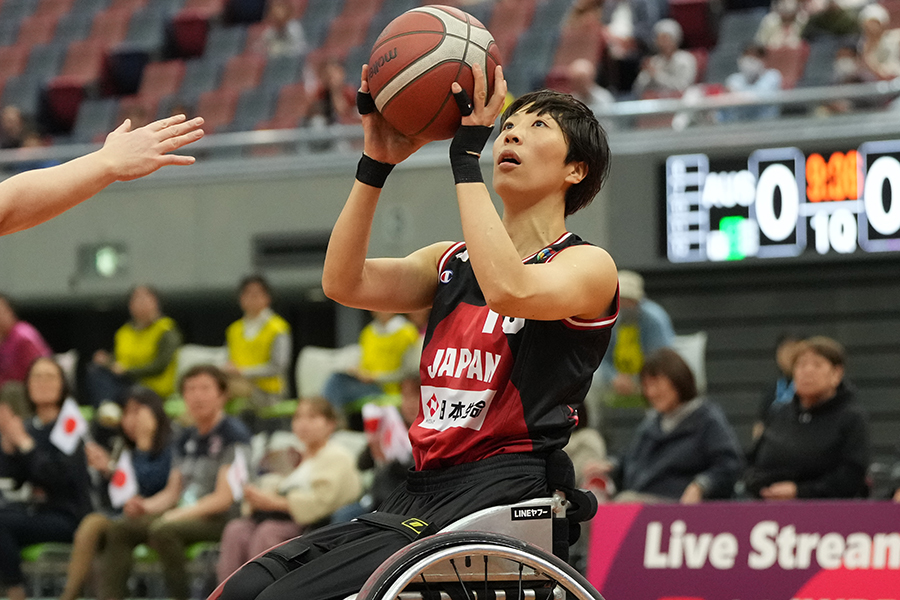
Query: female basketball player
point(520, 319)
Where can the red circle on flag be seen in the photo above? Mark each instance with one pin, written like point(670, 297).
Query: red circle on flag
point(70, 425)
point(119, 478)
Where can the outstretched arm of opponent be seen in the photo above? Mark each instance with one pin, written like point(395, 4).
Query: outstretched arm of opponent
point(580, 282)
point(386, 284)
point(30, 198)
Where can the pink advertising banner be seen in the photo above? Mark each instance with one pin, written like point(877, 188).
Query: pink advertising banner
point(747, 551)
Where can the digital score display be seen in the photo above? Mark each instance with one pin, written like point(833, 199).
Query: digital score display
point(782, 203)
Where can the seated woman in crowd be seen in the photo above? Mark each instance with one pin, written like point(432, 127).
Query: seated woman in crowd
point(817, 445)
point(145, 434)
point(670, 71)
point(879, 47)
point(684, 450)
point(56, 470)
point(145, 352)
point(281, 506)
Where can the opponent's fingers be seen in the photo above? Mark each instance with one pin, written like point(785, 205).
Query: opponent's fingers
point(177, 142)
point(462, 99)
point(364, 79)
point(177, 130)
point(167, 122)
point(176, 160)
point(124, 127)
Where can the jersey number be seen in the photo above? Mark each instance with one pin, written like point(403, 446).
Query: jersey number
point(511, 325)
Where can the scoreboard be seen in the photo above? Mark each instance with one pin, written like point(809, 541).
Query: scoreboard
point(783, 203)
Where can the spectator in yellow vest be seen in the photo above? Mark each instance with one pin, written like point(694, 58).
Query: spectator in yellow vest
point(259, 344)
point(383, 344)
point(145, 352)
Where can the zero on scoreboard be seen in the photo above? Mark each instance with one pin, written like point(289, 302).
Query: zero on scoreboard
point(782, 203)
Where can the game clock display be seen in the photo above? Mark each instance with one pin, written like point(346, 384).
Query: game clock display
point(782, 203)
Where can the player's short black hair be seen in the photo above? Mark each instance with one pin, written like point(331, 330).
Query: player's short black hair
point(584, 135)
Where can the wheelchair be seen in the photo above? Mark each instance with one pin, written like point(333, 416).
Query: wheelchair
point(500, 553)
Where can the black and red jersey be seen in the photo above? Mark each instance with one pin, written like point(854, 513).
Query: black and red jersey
point(493, 384)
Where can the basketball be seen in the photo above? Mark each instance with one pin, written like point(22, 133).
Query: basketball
point(416, 59)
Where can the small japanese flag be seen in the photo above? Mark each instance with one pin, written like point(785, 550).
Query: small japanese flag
point(70, 427)
point(391, 432)
point(123, 483)
point(238, 474)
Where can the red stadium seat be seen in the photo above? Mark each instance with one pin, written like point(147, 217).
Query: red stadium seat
point(243, 72)
point(510, 18)
point(161, 78)
point(110, 26)
point(893, 8)
point(696, 22)
point(12, 61)
point(210, 7)
point(56, 8)
point(129, 104)
point(37, 29)
point(63, 96)
point(790, 61)
point(580, 40)
point(218, 108)
point(253, 41)
point(132, 5)
point(291, 109)
point(347, 31)
point(190, 27)
point(84, 61)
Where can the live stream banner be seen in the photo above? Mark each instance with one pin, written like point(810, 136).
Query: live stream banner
point(747, 551)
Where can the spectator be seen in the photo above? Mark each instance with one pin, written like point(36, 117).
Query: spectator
point(782, 391)
point(382, 343)
point(60, 482)
point(20, 345)
point(144, 352)
point(197, 500)
point(389, 466)
point(145, 433)
point(283, 35)
point(281, 507)
point(879, 47)
point(12, 127)
point(259, 344)
point(628, 29)
point(847, 69)
point(684, 449)
point(643, 327)
point(335, 99)
point(832, 17)
point(783, 26)
point(752, 78)
point(816, 446)
point(670, 71)
point(582, 75)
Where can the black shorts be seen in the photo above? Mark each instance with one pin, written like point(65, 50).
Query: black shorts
point(334, 562)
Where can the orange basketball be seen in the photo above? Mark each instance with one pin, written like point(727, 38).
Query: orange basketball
point(416, 59)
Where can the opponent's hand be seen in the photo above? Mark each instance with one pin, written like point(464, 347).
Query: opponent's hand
point(382, 141)
point(135, 153)
point(484, 110)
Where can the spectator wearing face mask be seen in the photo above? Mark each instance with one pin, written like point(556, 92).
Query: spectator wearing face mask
point(752, 79)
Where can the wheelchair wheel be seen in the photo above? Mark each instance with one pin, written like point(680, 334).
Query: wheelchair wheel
point(469, 565)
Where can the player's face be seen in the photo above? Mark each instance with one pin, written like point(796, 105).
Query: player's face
point(530, 158)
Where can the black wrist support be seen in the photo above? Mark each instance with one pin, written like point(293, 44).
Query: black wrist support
point(465, 151)
point(372, 172)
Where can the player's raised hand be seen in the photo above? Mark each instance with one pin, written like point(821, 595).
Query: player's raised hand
point(481, 110)
point(139, 152)
point(382, 140)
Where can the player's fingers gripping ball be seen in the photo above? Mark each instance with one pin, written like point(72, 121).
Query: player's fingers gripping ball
point(416, 59)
